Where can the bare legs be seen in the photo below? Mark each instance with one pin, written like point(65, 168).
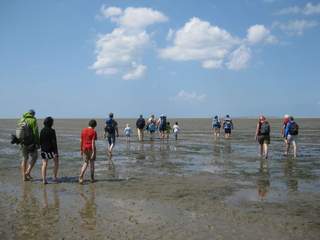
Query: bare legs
point(55, 169)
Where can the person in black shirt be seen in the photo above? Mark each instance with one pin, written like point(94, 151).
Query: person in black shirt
point(49, 149)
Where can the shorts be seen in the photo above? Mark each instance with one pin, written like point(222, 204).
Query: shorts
point(264, 139)
point(162, 128)
point(87, 155)
point(47, 155)
point(291, 138)
point(227, 130)
point(26, 153)
point(111, 139)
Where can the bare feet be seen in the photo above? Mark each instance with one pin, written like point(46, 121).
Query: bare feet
point(81, 180)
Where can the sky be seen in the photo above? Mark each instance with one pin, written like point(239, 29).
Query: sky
point(183, 58)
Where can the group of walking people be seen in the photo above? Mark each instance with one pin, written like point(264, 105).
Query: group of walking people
point(289, 132)
point(30, 141)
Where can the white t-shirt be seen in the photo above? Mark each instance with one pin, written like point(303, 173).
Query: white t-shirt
point(176, 128)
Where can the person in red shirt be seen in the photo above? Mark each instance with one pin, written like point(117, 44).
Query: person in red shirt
point(88, 149)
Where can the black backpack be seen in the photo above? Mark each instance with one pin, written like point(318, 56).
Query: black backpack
point(110, 126)
point(141, 123)
point(265, 128)
point(25, 134)
point(294, 129)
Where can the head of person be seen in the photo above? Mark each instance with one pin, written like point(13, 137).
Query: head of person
point(162, 115)
point(141, 116)
point(92, 123)
point(152, 116)
point(216, 117)
point(111, 115)
point(48, 122)
point(176, 123)
point(227, 116)
point(291, 118)
point(286, 118)
point(168, 123)
point(127, 125)
point(32, 112)
point(262, 119)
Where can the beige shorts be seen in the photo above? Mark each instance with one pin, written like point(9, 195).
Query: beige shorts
point(25, 154)
point(291, 139)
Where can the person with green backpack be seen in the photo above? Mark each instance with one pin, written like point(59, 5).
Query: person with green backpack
point(28, 135)
point(263, 136)
point(291, 133)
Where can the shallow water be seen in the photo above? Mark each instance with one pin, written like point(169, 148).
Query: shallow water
point(248, 180)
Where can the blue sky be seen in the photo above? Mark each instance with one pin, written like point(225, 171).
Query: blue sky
point(183, 58)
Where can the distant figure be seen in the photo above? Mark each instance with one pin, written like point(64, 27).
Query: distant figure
point(227, 126)
point(127, 132)
point(176, 130)
point(88, 149)
point(152, 126)
point(216, 125)
point(168, 130)
point(162, 125)
point(49, 149)
point(263, 136)
point(140, 124)
point(291, 133)
point(283, 129)
point(27, 134)
point(110, 131)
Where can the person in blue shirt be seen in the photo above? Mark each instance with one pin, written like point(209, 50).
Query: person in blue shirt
point(216, 125)
point(290, 133)
point(110, 132)
point(228, 126)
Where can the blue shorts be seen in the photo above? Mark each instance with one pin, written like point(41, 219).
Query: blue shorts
point(111, 139)
point(227, 130)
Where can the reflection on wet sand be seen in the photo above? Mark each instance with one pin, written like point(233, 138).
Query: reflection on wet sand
point(33, 218)
point(263, 182)
point(289, 169)
point(88, 211)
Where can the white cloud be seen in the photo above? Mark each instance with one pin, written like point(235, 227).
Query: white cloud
point(213, 46)
point(191, 97)
point(137, 72)
point(239, 58)
point(212, 64)
point(296, 27)
point(110, 11)
point(199, 40)
point(259, 33)
point(133, 18)
point(119, 51)
point(308, 9)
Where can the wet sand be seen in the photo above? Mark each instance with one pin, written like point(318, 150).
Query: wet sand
point(195, 188)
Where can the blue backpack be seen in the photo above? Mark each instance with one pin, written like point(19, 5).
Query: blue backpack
point(228, 124)
point(110, 126)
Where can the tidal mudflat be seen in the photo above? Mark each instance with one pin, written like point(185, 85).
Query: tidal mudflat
point(193, 188)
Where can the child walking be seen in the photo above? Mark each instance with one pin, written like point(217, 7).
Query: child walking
point(49, 149)
point(127, 132)
point(88, 149)
point(176, 130)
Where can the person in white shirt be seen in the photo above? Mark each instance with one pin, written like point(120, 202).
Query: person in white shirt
point(127, 132)
point(176, 130)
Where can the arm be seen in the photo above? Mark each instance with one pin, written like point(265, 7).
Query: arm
point(94, 147)
point(257, 132)
point(54, 141)
point(81, 150)
point(104, 131)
